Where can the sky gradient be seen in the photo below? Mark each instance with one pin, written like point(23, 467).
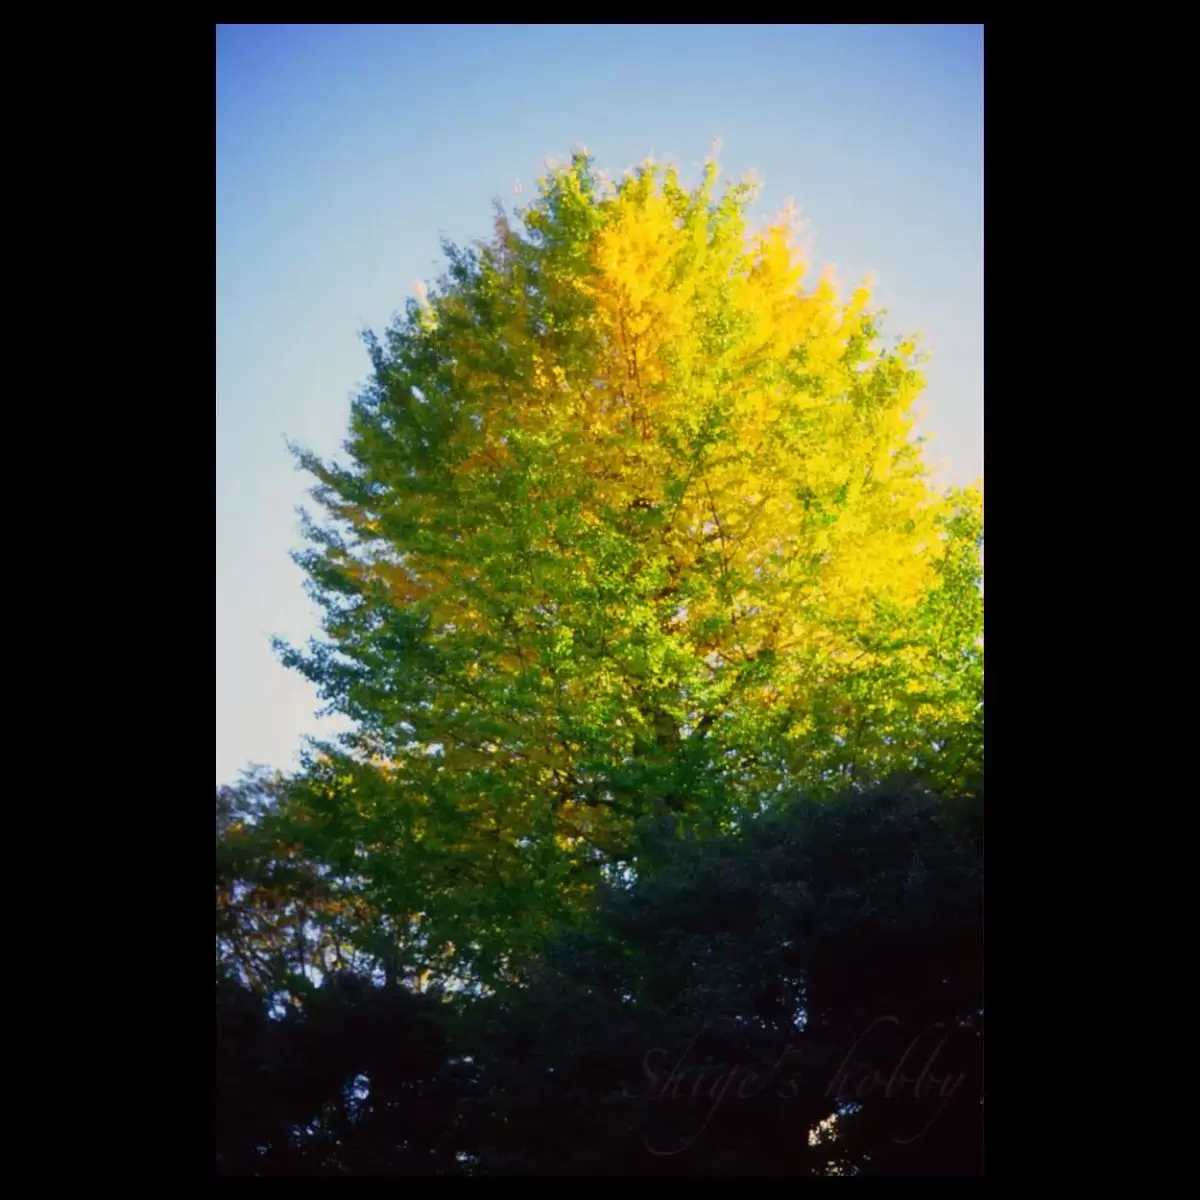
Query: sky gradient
point(344, 154)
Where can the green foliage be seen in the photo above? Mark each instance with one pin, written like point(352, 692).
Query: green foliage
point(631, 528)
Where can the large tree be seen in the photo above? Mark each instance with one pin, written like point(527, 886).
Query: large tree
point(632, 525)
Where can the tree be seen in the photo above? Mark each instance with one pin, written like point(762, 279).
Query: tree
point(632, 527)
point(802, 976)
point(359, 1080)
point(801, 997)
point(285, 917)
point(331, 1059)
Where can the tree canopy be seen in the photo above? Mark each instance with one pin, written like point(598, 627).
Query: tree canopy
point(631, 523)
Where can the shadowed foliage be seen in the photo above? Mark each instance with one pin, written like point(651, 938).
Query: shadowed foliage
point(806, 966)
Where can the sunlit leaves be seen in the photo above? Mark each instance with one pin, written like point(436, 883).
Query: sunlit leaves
point(632, 525)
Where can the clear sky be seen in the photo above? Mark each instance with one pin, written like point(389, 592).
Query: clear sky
point(345, 152)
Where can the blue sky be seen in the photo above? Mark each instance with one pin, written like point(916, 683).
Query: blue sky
point(344, 153)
